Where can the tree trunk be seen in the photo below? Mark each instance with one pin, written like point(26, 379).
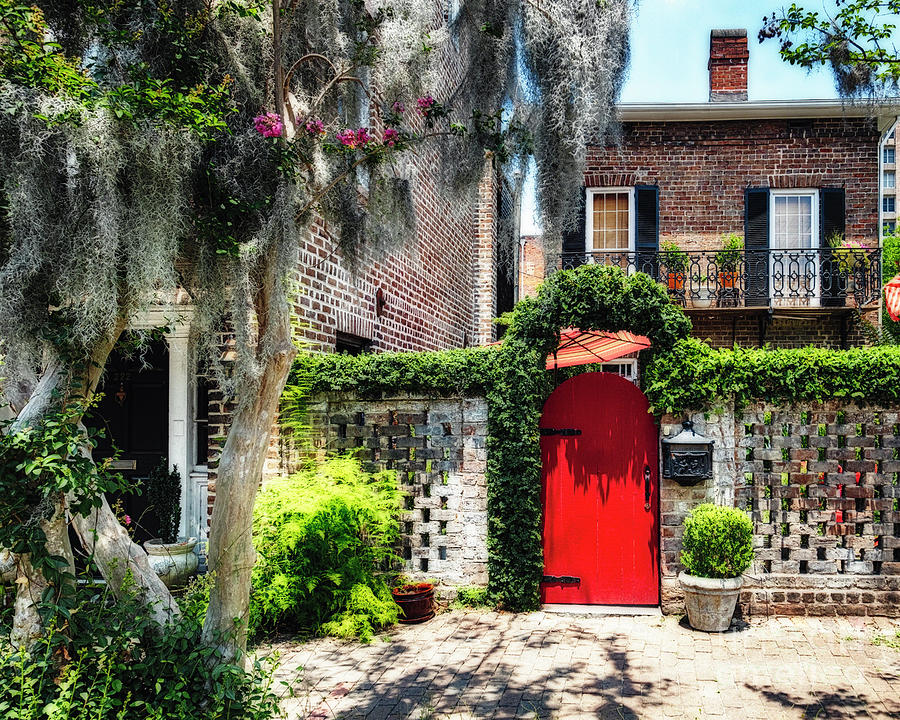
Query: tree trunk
point(100, 533)
point(31, 583)
point(116, 555)
point(231, 553)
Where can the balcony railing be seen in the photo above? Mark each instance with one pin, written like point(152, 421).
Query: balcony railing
point(751, 278)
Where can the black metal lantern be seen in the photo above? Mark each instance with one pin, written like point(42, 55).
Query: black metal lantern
point(687, 457)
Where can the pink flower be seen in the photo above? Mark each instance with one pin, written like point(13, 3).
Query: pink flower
point(398, 107)
point(268, 125)
point(425, 104)
point(390, 136)
point(347, 138)
point(315, 127)
point(363, 137)
point(128, 520)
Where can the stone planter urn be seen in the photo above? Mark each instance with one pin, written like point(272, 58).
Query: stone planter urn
point(175, 563)
point(710, 602)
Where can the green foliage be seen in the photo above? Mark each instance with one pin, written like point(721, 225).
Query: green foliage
point(675, 259)
point(854, 37)
point(163, 490)
point(39, 464)
point(890, 266)
point(693, 376)
point(322, 536)
point(717, 542)
point(446, 372)
point(472, 596)
point(112, 661)
point(728, 259)
point(591, 297)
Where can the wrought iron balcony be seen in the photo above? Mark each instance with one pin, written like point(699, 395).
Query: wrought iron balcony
point(827, 277)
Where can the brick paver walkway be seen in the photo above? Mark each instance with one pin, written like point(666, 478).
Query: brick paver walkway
point(466, 665)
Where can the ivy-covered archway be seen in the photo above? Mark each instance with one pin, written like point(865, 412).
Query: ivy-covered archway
point(591, 297)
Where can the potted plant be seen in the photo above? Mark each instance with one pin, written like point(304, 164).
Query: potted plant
point(849, 257)
point(676, 262)
point(728, 260)
point(416, 601)
point(175, 562)
point(717, 547)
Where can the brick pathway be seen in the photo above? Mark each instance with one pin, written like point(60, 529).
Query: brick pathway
point(465, 665)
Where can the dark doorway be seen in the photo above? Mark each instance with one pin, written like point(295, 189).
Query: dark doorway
point(134, 414)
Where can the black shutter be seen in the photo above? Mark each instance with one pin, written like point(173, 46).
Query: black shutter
point(647, 230)
point(756, 247)
point(831, 222)
point(573, 241)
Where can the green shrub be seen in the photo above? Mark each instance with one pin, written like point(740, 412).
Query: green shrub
point(717, 542)
point(111, 661)
point(472, 596)
point(322, 536)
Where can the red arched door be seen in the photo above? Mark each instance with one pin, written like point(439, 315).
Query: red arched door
point(600, 493)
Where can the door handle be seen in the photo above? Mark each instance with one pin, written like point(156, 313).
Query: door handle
point(647, 487)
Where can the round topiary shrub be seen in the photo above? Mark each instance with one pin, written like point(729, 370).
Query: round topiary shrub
point(717, 542)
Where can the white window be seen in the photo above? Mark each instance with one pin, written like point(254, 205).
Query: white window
point(890, 179)
point(627, 368)
point(888, 204)
point(610, 220)
point(794, 243)
point(795, 219)
point(889, 157)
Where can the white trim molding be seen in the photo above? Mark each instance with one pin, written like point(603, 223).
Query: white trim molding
point(589, 217)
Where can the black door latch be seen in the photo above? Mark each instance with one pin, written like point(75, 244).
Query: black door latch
point(561, 580)
point(560, 431)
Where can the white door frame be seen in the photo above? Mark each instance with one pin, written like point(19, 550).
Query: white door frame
point(181, 407)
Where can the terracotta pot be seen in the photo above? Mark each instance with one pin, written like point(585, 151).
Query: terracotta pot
point(675, 281)
point(175, 563)
point(416, 601)
point(710, 602)
point(727, 279)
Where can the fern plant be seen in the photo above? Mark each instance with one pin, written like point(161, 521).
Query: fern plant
point(323, 538)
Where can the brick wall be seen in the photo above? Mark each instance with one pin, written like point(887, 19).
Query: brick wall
point(827, 330)
point(728, 57)
point(437, 448)
point(484, 286)
point(531, 265)
point(821, 483)
point(702, 169)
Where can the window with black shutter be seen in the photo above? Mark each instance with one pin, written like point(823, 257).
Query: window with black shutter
point(573, 239)
point(647, 230)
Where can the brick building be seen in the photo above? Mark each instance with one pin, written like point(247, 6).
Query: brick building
point(781, 181)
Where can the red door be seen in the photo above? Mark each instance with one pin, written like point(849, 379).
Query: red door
point(600, 494)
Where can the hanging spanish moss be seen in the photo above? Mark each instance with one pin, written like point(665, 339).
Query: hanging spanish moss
point(107, 213)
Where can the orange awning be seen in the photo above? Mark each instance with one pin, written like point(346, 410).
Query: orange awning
point(892, 297)
point(583, 347)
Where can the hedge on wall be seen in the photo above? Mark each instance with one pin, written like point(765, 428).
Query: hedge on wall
point(693, 376)
point(466, 371)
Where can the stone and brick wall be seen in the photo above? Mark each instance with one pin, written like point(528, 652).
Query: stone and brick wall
point(437, 448)
point(821, 483)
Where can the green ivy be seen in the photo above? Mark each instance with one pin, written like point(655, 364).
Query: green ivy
point(694, 376)
point(446, 372)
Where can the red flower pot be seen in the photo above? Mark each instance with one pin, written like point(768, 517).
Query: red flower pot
point(416, 601)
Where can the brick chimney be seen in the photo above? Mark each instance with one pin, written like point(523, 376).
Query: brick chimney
point(728, 57)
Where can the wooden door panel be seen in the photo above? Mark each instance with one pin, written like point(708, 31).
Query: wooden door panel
point(596, 523)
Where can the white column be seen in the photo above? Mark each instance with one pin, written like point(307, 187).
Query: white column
point(181, 430)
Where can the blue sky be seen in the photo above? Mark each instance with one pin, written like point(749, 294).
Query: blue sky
point(670, 49)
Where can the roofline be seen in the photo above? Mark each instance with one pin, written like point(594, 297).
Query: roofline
point(885, 111)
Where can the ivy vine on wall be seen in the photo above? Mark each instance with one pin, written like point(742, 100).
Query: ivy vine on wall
point(679, 373)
